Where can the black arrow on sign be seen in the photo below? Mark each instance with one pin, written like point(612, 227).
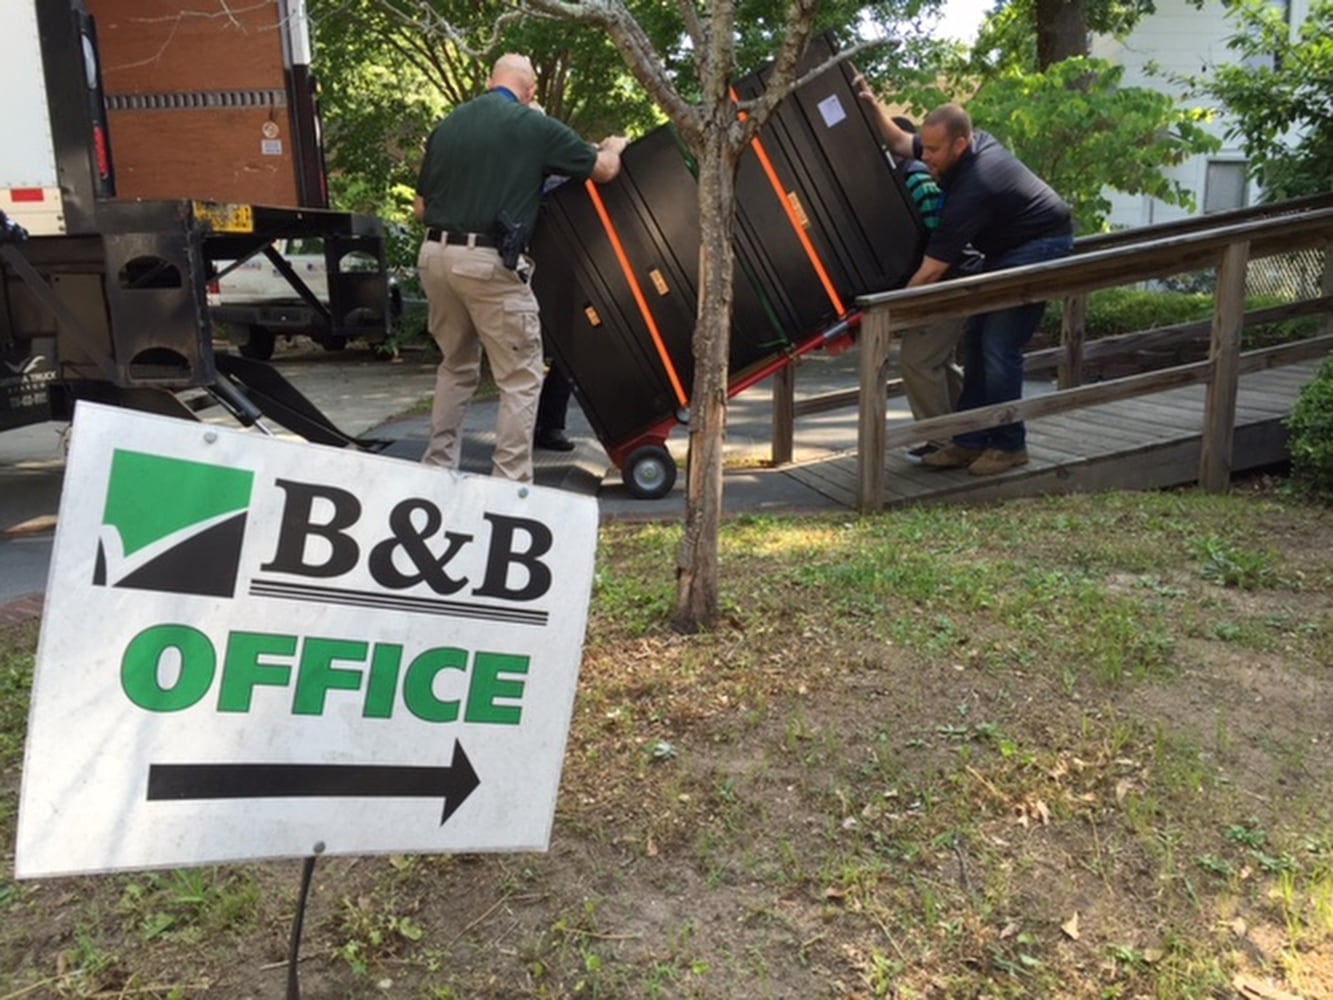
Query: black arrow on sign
point(281, 781)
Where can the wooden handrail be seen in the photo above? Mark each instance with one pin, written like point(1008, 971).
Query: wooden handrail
point(1102, 349)
point(1100, 392)
point(1169, 336)
point(1198, 223)
point(1172, 249)
point(911, 307)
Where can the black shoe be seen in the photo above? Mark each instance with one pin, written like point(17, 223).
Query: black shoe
point(915, 455)
point(553, 440)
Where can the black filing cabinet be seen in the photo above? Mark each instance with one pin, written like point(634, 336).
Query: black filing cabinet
point(821, 218)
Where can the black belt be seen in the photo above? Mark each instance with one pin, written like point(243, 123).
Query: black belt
point(448, 236)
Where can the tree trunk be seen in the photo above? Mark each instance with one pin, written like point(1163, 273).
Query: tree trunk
point(1062, 31)
point(697, 560)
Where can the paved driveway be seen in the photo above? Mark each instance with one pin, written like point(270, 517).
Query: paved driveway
point(365, 396)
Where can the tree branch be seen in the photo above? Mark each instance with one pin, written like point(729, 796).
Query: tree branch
point(694, 27)
point(638, 51)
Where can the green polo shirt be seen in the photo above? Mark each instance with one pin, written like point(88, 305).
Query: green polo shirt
point(491, 155)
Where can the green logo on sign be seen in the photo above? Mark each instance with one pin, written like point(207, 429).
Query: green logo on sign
point(172, 525)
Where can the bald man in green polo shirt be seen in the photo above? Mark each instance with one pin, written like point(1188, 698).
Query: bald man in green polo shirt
point(485, 160)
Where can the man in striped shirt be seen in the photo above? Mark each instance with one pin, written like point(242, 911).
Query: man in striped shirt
point(931, 379)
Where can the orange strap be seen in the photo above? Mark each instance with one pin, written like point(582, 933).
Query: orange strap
point(795, 221)
point(639, 299)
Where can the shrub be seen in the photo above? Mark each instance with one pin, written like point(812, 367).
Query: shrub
point(1311, 436)
point(1113, 311)
point(1267, 334)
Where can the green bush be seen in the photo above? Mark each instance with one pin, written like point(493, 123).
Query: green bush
point(1114, 311)
point(1311, 441)
point(1125, 310)
point(1268, 334)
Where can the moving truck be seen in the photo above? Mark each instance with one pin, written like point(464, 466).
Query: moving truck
point(151, 146)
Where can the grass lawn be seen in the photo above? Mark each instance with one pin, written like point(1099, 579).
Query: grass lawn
point(1071, 747)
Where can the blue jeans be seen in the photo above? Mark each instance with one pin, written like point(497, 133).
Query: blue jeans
point(993, 349)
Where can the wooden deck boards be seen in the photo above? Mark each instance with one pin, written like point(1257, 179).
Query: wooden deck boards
point(1147, 442)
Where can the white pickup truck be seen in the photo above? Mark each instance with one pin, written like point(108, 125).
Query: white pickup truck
point(257, 302)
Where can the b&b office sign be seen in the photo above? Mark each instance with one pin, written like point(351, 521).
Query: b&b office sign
point(251, 647)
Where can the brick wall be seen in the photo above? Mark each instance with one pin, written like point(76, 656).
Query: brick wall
point(197, 100)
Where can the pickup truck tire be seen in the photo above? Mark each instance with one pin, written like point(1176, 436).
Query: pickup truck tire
point(259, 344)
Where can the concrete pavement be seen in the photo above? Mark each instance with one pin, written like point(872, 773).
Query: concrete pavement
point(373, 398)
point(748, 486)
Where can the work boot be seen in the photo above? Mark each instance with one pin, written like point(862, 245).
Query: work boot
point(953, 456)
point(993, 461)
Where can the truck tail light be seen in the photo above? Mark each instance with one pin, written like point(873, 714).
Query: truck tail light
point(101, 152)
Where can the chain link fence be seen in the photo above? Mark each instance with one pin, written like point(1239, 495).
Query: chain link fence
point(1287, 277)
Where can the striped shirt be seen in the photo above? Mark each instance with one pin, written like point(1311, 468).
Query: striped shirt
point(925, 193)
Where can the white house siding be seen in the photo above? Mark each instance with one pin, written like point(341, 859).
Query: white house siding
point(1179, 39)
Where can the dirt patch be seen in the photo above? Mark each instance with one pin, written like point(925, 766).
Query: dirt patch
point(867, 784)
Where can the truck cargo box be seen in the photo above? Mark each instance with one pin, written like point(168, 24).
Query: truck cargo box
point(211, 107)
point(103, 292)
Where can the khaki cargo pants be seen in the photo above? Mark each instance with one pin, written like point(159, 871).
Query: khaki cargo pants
point(931, 381)
point(475, 303)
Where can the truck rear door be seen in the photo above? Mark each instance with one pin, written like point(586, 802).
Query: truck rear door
point(29, 185)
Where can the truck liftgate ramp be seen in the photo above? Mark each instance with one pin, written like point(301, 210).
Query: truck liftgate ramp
point(119, 315)
point(103, 283)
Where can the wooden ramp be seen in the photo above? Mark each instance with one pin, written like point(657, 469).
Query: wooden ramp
point(1142, 443)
